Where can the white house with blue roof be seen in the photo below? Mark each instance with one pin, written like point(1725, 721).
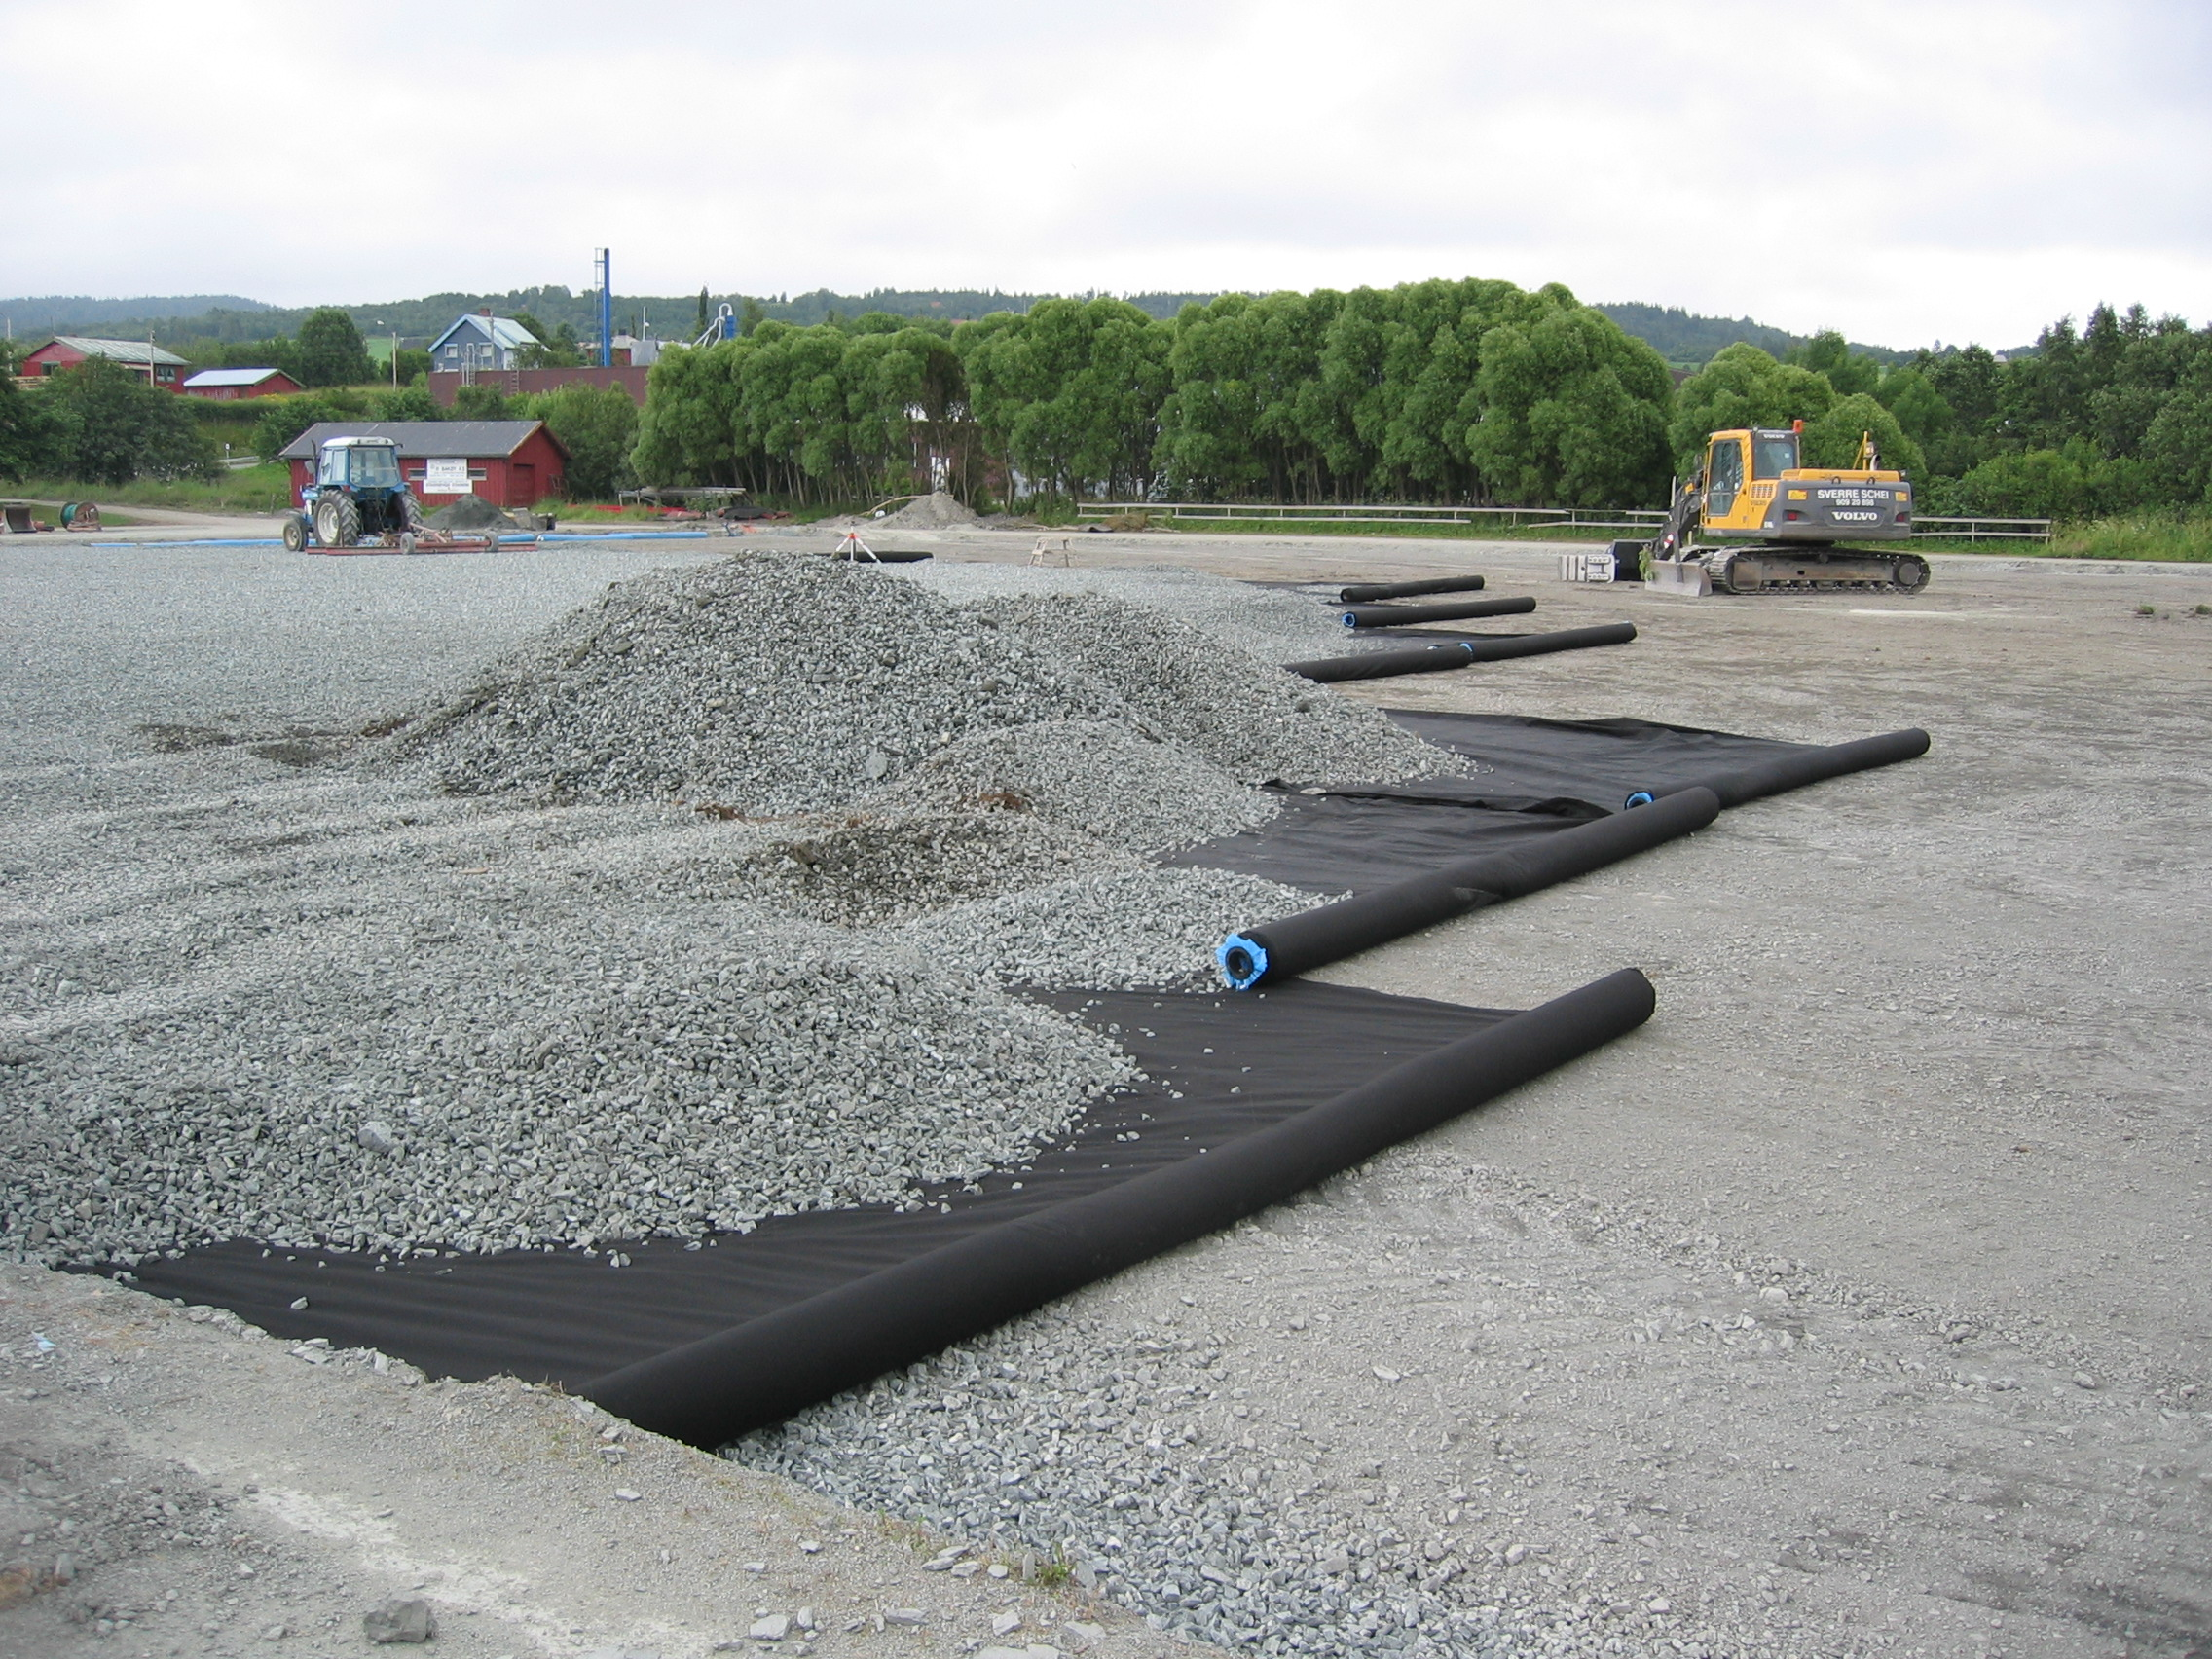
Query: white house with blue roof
point(481, 341)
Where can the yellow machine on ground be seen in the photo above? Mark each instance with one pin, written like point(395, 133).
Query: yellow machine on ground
point(1754, 520)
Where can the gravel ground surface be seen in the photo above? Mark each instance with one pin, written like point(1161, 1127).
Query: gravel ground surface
point(173, 1482)
point(1857, 1305)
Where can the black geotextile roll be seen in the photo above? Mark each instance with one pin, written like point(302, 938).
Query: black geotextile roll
point(1433, 659)
point(1809, 767)
point(1385, 665)
point(712, 1391)
point(1359, 593)
point(1262, 955)
point(1399, 615)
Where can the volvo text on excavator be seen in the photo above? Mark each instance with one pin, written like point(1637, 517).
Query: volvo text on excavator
point(1754, 520)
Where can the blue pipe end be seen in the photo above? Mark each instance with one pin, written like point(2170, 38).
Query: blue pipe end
point(1350, 621)
point(1641, 797)
point(1243, 961)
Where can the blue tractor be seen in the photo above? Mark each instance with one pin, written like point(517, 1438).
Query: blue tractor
point(358, 496)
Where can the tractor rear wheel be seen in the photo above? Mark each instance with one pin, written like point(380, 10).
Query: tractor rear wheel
point(338, 521)
point(408, 510)
point(295, 532)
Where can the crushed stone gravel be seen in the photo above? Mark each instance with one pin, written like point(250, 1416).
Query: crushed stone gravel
point(1117, 930)
point(389, 1079)
point(779, 682)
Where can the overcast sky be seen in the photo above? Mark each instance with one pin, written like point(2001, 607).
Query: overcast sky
point(1908, 171)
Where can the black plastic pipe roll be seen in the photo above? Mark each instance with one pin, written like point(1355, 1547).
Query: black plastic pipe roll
point(1260, 956)
point(710, 1392)
point(1509, 646)
point(1459, 653)
point(1359, 593)
point(1386, 665)
point(1794, 771)
point(1456, 610)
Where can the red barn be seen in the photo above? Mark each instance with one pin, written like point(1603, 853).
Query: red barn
point(67, 351)
point(510, 464)
point(227, 383)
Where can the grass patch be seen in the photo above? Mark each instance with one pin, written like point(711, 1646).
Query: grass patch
point(263, 489)
point(2184, 537)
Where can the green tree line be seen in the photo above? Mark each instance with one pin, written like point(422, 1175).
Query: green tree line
point(1456, 392)
point(1448, 391)
point(2110, 418)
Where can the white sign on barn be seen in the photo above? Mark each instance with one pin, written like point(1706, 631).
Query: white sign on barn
point(445, 477)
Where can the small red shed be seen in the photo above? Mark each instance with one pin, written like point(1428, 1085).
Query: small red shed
point(510, 464)
point(228, 384)
point(66, 350)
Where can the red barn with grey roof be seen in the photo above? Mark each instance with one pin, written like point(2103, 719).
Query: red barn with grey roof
point(510, 464)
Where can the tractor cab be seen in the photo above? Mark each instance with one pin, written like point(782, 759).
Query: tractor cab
point(358, 463)
point(357, 492)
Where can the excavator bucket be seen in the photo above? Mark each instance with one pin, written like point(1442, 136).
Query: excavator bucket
point(1687, 577)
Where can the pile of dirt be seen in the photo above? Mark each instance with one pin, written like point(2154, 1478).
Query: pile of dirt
point(470, 512)
point(939, 511)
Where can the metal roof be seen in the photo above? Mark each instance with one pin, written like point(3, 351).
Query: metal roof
point(503, 331)
point(419, 438)
point(121, 350)
point(228, 377)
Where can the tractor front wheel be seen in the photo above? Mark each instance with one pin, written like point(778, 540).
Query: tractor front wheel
point(338, 521)
point(296, 532)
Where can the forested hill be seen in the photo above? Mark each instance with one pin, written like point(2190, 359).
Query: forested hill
point(224, 317)
point(1689, 341)
point(73, 314)
point(1683, 337)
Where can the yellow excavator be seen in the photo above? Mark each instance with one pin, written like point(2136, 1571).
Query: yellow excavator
point(1754, 520)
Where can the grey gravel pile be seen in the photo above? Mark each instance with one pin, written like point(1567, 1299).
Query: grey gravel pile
point(1272, 624)
point(1125, 788)
point(938, 512)
point(1121, 930)
point(775, 683)
point(765, 683)
point(863, 869)
point(1241, 712)
point(498, 1084)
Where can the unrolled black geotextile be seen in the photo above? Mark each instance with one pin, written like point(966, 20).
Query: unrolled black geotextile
point(763, 1371)
point(1240, 1063)
point(1497, 846)
point(1329, 932)
point(1363, 593)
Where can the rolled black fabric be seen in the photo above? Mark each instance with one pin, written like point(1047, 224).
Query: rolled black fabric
point(1359, 593)
point(1385, 665)
point(1333, 931)
point(1807, 766)
point(710, 1392)
point(1459, 653)
point(1399, 615)
point(1507, 645)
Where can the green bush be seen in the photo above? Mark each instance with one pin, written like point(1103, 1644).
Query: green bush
point(106, 425)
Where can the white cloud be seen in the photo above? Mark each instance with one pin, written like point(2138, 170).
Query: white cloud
point(1961, 169)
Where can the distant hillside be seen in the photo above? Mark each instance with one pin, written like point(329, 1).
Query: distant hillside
point(1681, 336)
point(1690, 341)
point(66, 313)
point(187, 319)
